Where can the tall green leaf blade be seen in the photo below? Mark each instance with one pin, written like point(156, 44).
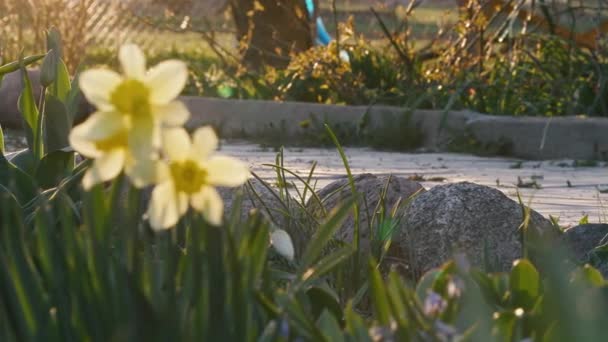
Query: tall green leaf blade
point(53, 168)
point(325, 234)
point(57, 124)
point(29, 112)
point(355, 325)
point(14, 66)
point(321, 300)
point(330, 328)
point(378, 294)
point(1, 141)
point(48, 70)
point(61, 87)
point(72, 102)
point(54, 42)
point(24, 278)
point(24, 160)
point(20, 184)
point(300, 321)
point(325, 265)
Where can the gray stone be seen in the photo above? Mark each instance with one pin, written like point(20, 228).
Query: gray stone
point(10, 90)
point(370, 188)
point(572, 137)
point(258, 196)
point(464, 217)
point(582, 239)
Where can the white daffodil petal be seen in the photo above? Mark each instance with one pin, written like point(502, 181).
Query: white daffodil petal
point(144, 138)
point(82, 144)
point(176, 143)
point(144, 172)
point(182, 203)
point(163, 210)
point(133, 61)
point(174, 113)
point(166, 81)
point(226, 171)
point(97, 86)
point(99, 126)
point(209, 202)
point(281, 241)
point(204, 142)
point(104, 168)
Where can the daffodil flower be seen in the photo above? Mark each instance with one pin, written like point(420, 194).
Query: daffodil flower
point(190, 177)
point(125, 131)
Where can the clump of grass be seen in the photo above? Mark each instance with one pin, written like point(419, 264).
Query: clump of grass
point(86, 265)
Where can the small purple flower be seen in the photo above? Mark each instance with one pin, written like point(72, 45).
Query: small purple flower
point(434, 304)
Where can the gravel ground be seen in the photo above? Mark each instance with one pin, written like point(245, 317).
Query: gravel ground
point(13, 140)
point(560, 188)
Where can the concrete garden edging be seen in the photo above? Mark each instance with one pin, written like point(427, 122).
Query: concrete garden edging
point(524, 137)
point(571, 137)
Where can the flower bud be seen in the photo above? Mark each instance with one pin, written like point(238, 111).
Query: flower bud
point(281, 241)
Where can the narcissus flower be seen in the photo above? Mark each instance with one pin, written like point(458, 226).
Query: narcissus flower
point(190, 177)
point(125, 131)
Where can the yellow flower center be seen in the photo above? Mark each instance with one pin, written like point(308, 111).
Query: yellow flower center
point(188, 176)
point(131, 97)
point(118, 140)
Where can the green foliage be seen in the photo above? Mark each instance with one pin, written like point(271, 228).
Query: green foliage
point(484, 64)
point(14, 66)
point(1, 141)
point(48, 160)
point(86, 266)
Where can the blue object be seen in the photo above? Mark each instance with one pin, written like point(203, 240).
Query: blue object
point(323, 38)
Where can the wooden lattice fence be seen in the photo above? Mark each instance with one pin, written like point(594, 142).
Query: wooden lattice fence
point(88, 23)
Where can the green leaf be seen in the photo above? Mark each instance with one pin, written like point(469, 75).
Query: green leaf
point(584, 220)
point(53, 168)
point(351, 182)
point(24, 160)
point(1, 141)
point(57, 124)
point(329, 327)
point(29, 111)
point(324, 234)
point(487, 286)
point(425, 284)
point(524, 284)
point(504, 324)
point(14, 66)
point(379, 295)
point(298, 317)
point(73, 101)
point(53, 41)
point(270, 333)
point(61, 86)
point(590, 275)
point(325, 265)
point(323, 301)
point(48, 70)
point(355, 325)
point(20, 184)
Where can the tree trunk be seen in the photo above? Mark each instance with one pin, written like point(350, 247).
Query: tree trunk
point(270, 31)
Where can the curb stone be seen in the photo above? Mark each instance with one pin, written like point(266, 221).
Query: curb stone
point(571, 137)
